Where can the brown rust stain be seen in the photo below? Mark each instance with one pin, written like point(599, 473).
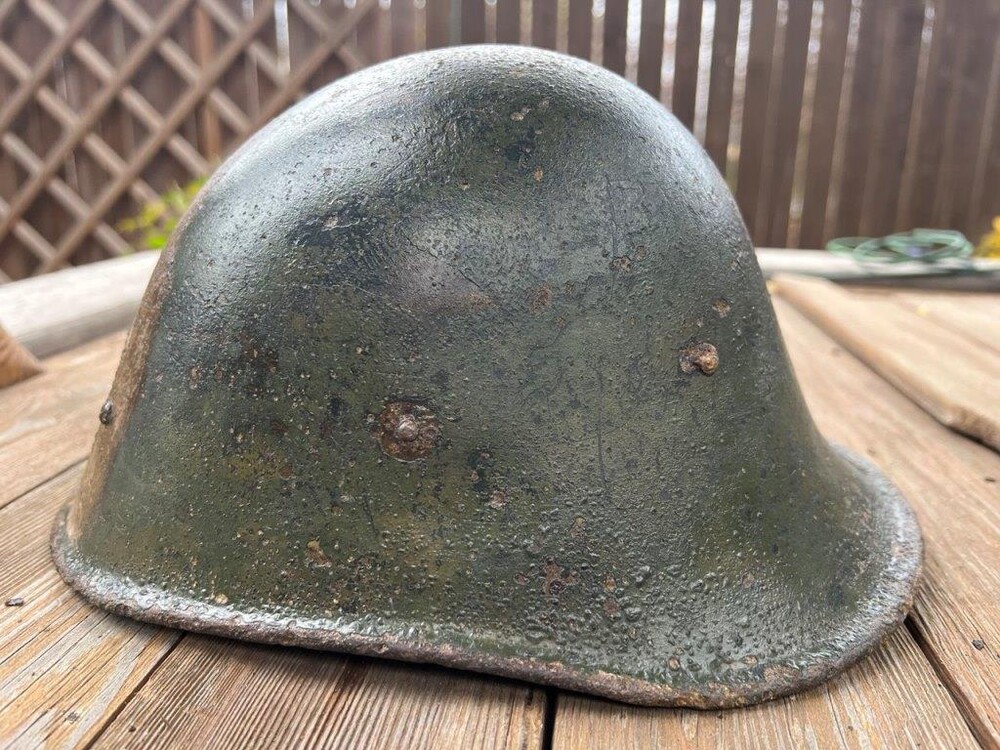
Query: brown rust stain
point(407, 431)
point(498, 499)
point(540, 299)
point(316, 554)
point(722, 307)
point(622, 263)
point(557, 577)
point(702, 357)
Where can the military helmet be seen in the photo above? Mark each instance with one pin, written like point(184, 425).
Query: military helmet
point(466, 359)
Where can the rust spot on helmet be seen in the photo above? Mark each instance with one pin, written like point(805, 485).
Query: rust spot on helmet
point(557, 577)
point(316, 554)
point(406, 431)
point(540, 299)
point(703, 358)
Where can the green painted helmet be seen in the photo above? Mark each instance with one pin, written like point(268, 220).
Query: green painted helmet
point(466, 359)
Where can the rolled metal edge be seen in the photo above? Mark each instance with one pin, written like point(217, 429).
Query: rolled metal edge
point(123, 596)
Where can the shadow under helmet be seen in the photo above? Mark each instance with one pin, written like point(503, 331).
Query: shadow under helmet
point(467, 359)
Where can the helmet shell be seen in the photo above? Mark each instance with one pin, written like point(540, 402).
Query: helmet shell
point(467, 359)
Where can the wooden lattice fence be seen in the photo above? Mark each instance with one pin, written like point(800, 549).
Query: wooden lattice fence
point(828, 117)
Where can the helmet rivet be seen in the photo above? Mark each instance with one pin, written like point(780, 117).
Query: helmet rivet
point(407, 428)
point(107, 414)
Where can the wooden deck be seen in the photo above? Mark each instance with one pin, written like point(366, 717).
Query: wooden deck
point(74, 676)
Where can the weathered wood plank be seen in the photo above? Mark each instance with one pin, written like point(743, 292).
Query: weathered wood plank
point(65, 667)
point(404, 37)
point(473, 17)
point(901, 50)
point(977, 40)
point(948, 376)
point(581, 23)
point(509, 21)
point(776, 187)
point(544, 24)
point(46, 423)
point(951, 483)
point(93, 300)
point(720, 84)
point(939, 89)
point(685, 89)
point(211, 693)
point(650, 67)
point(864, 109)
point(973, 316)
point(438, 20)
point(615, 30)
point(763, 22)
point(823, 129)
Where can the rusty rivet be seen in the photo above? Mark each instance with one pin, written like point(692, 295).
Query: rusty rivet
point(406, 431)
point(703, 358)
point(107, 413)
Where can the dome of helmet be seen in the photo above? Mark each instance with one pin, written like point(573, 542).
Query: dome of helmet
point(467, 359)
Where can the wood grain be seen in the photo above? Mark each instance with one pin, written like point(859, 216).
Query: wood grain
point(16, 362)
point(897, 89)
point(890, 700)
point(720, 83)
point(211, 693)
point(823, 128)
point(776, 186)
point(47, 422)
point(544, 24)
point(581, 22)
point(65, 667)
point(939, 90)
point(688, 47)
point(946, 373)
point(952, 483)
point(763, 23)
point(615, 32)
point(973, 316)
point(863, 117)
point(509, 21)
point(650, 66)
point(473, 17)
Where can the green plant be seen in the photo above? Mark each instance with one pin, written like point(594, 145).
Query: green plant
point(157, 220)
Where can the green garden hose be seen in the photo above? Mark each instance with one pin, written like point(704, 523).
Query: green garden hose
point(921, 246)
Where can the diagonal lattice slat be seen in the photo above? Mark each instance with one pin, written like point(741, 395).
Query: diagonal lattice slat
point(137, 146)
